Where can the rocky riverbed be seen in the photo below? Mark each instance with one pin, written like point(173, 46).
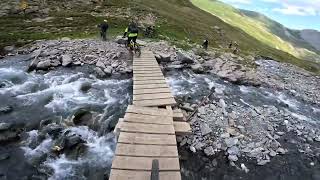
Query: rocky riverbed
point(62, 98)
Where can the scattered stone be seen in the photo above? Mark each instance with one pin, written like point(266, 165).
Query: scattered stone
point(205, 129)
point(184, 58)
point(281, 151)
point(233, 158)
point(209, 151)
point(66, 60)
point(272, 153)
point(108, 70)
point(193, 149)
point(197, 68)
point(231, 142)
point(234, 150)
point(244, 168)
point(163, 58)
point(280, 133)
point(100, 64)
point(99, 72)
point(263, 162)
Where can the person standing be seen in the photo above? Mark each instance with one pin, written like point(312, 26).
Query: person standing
point(103, 29)
point(132, 33)
point(205, 44)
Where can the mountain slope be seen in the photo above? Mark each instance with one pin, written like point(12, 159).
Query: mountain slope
point(312, 37)
point(261, 28)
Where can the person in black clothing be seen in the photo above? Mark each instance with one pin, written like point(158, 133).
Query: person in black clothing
point(132, 33)
point(103, 29)
point(205, 44)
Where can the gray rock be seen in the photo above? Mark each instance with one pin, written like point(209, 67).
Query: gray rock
point(214, 163)
point(121, 40)
point(99, 72)
point(202, 110)
point(5, 126)
point(233, 158)
point(66, 60)
point(272, 153)
point(222, 104)
point(89, 58)
point(193, 149)
point(163, 57)
point(244, 168)
point(281, 151)
point(6, 109)
point(108, 70)
point(184, 58)
point(209, 151)
point(263, 162)
point(100, 64)
point(197, 68)
point(205, 129)
point(45, 65)
point(174, 66)
point(187, 107)
point(8, 49)
point(199, 145)
point(234, 150)
point(231, 142)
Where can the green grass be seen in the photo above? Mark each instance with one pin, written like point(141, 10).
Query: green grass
point(178, 21)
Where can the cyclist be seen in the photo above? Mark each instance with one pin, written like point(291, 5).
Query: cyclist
point(132, 33)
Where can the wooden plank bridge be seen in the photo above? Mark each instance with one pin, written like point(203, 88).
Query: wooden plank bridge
point(147, 147)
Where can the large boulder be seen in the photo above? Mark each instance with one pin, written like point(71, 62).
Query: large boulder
point(197, 68)
point(8, 133)
point(101, 65)
point(98, 71)
point(184, 58)
point(66, 60)
point(163, 58)
point(108, 70)
point(45, 65)
point(82, 117)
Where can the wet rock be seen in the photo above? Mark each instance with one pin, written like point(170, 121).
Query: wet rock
point(82, 117)
point(4, 156)
point(234, 150)
point(197, 68)
point(9, 49)
point(6, 109)
point(244, 168)
point(108, 70)
point(9, 135)
point(163, 58)
point(85, 87)
point(209, 151)
point(72, 140)
point(45, 65)
point(100, 64)
point(66, 60)
point(53, 130)
point(233, 158)
point(205, 129)
point(184, 58)
point(281, 151)
point(99, 72)
point(263, 162)
point(174, 66)
point(272, 153)
point(231, 142)
point(193, 149)
point(5, 126)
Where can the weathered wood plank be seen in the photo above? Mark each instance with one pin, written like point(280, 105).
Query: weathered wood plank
point(150, 82)
point(117, 174)
point(147, 72)
point(178, 115)
point(155, 102)
point(152, 96)
point(148, 75)
point(182, 128)
point(147, 119)
point(147, 128)
point(151, 139)
point(148, 111)
point(144, 163)
point(148, 78)
point(149, 86)
point(151, 91)
point(146, 150)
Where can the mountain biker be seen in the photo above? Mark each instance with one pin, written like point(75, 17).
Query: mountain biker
point(205, 44)
point(132, 33)
point(103, 29)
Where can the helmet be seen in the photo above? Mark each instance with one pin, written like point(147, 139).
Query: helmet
point(105, 20)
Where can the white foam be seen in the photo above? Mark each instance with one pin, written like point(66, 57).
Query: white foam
point(245, 89)
point(290, 102)
point(99, 155)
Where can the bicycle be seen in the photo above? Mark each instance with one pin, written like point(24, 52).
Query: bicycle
point(135, 48)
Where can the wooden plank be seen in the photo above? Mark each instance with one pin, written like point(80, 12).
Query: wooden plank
point(147, 128)
point(148, 75)
point(151, 91)
point(147, 72)
point(178, 115)
point(148, 111)
point(151, 139)
point(147, 119)
point(148, 78)
point(156, 102)
point(144, 163)
point(147, 69)
point(136, 66)
point(149, 86)
point(150, 82)
point(146, 150)
point(182, 128)
point(152, 96)
point(117, 174)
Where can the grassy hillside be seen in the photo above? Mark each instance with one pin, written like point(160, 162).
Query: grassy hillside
point(261, 28)
point(177, 20)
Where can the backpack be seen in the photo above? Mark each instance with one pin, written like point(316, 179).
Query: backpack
point(133, 29)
